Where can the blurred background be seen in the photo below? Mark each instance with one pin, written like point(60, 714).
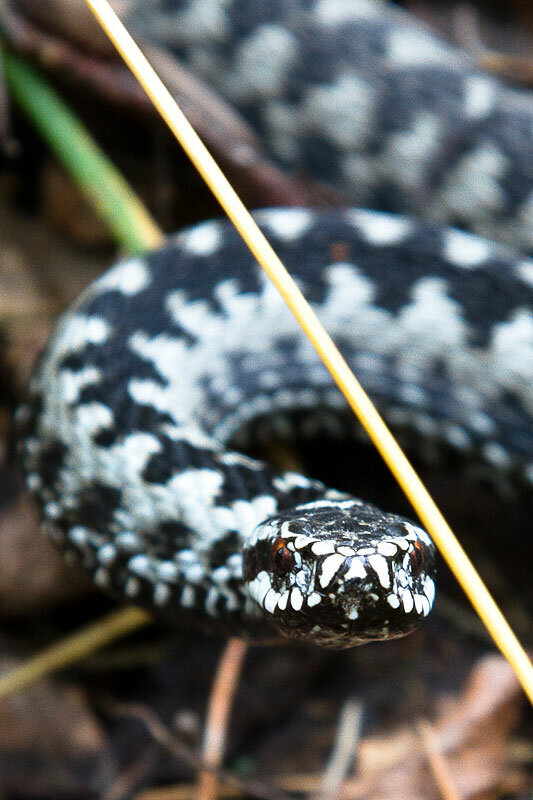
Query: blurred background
point(91, 731)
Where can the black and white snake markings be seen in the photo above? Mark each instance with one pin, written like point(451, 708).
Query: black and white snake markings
point(361, 97)
point(162, 361)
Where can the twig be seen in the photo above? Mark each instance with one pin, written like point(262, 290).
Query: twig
point(220, 703)
point(341, 759)
point(134, 775)
point(436, 761)
point(182, 751)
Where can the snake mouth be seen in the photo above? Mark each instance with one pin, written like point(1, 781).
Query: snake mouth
point(350, 613)
point(332, 629)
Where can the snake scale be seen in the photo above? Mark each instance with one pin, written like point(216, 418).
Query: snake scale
point(163, 362)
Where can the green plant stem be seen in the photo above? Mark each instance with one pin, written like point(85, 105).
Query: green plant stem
point(102, 184)
point(135, 232)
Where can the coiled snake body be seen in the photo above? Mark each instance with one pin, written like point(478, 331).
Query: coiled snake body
point(162, 361)
point(361, 97)
point(145, 380)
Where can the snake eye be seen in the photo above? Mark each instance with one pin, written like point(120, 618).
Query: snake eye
point(282, 559)
point(416, 557)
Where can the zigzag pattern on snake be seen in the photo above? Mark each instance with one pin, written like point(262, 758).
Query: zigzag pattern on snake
point(360, 96)
point(147, 378)
point(164, 360)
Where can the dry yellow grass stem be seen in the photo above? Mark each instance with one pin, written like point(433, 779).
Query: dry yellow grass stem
point(74, 648)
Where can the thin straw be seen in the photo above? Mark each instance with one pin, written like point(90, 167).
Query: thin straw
point(73, 648)
point(382, 438)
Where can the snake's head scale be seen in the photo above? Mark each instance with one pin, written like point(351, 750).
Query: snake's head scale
point(341, 573)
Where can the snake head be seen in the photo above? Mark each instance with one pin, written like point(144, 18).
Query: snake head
point(341, 573)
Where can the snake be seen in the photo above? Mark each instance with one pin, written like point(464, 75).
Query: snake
point(362, 98)
point(132, 430)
